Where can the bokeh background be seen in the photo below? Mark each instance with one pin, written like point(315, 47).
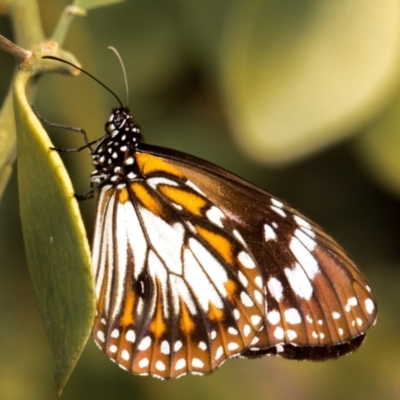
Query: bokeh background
point(298, 97)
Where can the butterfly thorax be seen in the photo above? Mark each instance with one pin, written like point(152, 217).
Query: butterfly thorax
point(113, 158)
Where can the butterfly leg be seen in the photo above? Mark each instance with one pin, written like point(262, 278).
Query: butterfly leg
point(90, 193)
point(88, 145)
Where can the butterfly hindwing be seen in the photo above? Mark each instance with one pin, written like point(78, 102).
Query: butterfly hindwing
point(178, 289)
point(316, 297)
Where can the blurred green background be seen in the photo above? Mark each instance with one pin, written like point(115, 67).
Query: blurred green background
point(301, 98)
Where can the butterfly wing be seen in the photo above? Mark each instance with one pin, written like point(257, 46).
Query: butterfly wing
point(177, 287)
point(318, 303)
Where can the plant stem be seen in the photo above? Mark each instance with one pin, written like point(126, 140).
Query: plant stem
point(18, 52)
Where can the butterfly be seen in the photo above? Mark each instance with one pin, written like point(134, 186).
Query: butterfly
point(194, 265)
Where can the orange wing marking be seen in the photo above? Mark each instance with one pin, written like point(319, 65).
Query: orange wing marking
point(222, 245)
point(158, 326)
point(127, 316)
point(215, 314)
point(187, 325)
point(146, 199)
point(149, 164)
point(189, 201)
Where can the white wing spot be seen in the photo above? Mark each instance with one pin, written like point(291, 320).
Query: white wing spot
point(100, 335)
point(276, 202)
point(369, 306)
point(273, 317)
point(255, 319)
point(279, 333)
point(243, 280)
point(279, 348)
point(129, 161)
point(130, 336)
point(275, 288)
point(254, 341)
point(181, 363)
point(279, 211)
point(305, 239)
point(269, 233)
point(215, 215)
point(247, 330)
point(321, 335)
point(258, 296)
point(340, 330)
point(232, 331)
point(113, 348)
point(301, 222)
point(202, 346)
point(239, 237)
point(143, 363)
point(304, 257)
point(246, 300)
point(103, 321)
point(320, 322)
point(352, 301)
point(165, 349)
point(335, 315)
point(299, 282)
point(120, 365)
point(160, 366)
point(213, 335)
point(233, 346)
point(359, 321)
point(197, 363)
point(292, 316)
point(178, 345)
point(125, 355)
point(315, 335)
point(115, 334)
point(145, 343)
point(219, 352)
point(309, 319)
point(194, 187)
point(155, 181)
point(291, 334)
point(246, 260)
point(236, 314)
point(259, 282)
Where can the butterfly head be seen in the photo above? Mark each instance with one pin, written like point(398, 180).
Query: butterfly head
point(121, 121)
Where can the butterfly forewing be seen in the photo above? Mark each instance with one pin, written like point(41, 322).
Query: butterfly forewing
point(315, 294)
point(178, 289)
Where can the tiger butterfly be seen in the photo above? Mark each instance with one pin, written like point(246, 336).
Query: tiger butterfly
point(193, 265)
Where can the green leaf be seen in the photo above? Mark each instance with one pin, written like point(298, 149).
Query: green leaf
point(299, 76)
point(8, 143)
point(55, 239)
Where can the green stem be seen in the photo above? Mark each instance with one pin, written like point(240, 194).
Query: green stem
point(64, 22)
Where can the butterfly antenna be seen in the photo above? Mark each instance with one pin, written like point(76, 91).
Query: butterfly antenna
point(88, 74)
point(115, 51)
